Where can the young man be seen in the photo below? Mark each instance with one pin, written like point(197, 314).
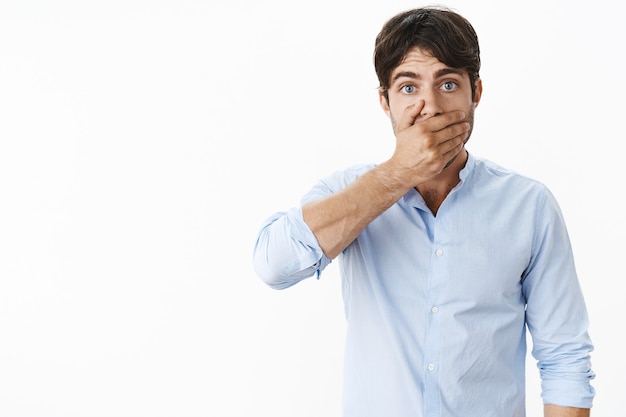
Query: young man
point(445, 257)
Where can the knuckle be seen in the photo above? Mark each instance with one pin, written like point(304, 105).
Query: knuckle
point(432, 154)
point(430, 142)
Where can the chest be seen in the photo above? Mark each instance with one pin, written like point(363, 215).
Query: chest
point(409, 254)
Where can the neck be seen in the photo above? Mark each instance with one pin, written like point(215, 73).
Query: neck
point(435, 191)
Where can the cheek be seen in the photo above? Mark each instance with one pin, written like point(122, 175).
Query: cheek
point(470, 120)
point(393, 121)
point(398, 102)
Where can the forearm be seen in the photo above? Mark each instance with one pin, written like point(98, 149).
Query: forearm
point(551, 410)
point(338, 219)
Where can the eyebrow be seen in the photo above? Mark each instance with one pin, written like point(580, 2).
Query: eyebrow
point(440, 73)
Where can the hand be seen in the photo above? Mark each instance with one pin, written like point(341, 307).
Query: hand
point(424, 148)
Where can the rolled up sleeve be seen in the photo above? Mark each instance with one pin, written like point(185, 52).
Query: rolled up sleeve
point(286, 250)
point(556, 314)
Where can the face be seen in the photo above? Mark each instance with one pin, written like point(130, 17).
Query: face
point(421, 77)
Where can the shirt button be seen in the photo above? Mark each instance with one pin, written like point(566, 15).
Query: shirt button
point(435, 309)
point(431, 366)
point(439, 252)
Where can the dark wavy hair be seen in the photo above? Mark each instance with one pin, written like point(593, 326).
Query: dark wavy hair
point(448, 36)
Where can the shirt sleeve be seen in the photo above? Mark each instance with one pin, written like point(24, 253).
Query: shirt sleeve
point(556, 313)
point(286, 250)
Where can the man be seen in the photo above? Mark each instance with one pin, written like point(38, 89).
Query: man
point(445, 257)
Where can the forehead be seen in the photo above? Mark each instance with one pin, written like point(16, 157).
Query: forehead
point(423, 63)
point(420, 56)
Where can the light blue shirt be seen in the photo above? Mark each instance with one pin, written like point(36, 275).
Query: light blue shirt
point(437, 307)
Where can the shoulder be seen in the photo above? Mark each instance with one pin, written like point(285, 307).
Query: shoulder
point(485, 170)
point(341, 179)
point(337, 181)
point(490, 181)
point(346, 176)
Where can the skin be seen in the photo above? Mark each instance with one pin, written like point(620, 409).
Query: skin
point(431, 109)
point(431, 127)
point(423, 88)
point(550, 410)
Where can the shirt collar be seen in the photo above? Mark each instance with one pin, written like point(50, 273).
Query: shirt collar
point(468, 168)
point(413, 198)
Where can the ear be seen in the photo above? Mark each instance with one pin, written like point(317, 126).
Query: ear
point(384, 103)
point(479, 91)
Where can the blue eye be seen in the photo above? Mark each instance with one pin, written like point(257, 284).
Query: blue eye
point(449, 85)
point(408, 89)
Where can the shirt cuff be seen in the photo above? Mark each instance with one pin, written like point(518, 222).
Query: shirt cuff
point(567, 393)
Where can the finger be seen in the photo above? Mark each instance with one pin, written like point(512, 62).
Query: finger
point(458, 129)
point(443, 120)
point(452, 155)
point(451, 133)
point(410, 114)
point(452, 146)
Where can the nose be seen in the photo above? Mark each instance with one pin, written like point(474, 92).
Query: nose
point(432, 105)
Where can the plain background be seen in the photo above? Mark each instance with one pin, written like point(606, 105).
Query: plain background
point(143, 143)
